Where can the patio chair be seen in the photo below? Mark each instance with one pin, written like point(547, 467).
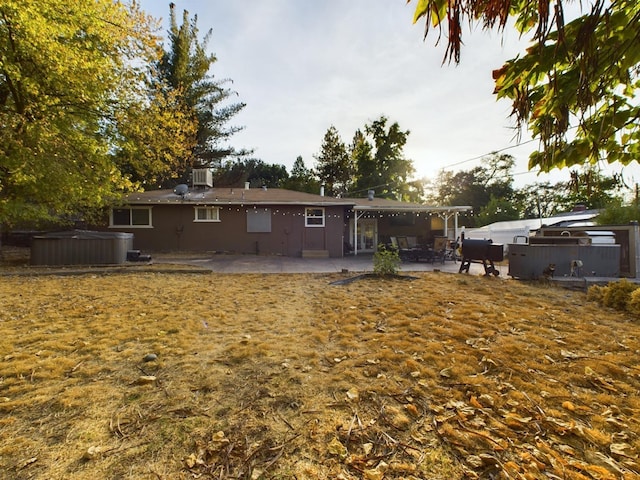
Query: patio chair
point(440, 247)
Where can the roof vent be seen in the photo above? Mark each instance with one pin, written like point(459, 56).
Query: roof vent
point(370, 194)
point(202, 177)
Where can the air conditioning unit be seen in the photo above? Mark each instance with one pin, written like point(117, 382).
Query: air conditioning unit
point(202, 177)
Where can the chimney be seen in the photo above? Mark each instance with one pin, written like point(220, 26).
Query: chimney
point(322, 190)
point(246, 185)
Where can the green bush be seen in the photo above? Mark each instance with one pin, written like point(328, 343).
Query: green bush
point(386, 261)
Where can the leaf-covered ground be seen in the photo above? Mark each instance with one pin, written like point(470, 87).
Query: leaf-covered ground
point(447, 376)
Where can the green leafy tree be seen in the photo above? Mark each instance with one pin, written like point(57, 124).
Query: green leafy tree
point(498, 210)
point(582, 73)
point(589, 187)
point(67, 70)
point(619, 213)
point(185, 68)
point(540, 200)
point(302, 179)
point(475, 187)
point(361, 153)
point(386, 171)
point(256, 172)
point(334, 168)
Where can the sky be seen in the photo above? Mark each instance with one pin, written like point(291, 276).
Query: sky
point(302, 66)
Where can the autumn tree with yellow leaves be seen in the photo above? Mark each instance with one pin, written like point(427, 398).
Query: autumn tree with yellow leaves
point(77, 115)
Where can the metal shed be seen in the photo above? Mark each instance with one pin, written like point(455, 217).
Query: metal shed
point(81, 247)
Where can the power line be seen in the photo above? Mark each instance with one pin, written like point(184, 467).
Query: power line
point(486, 154)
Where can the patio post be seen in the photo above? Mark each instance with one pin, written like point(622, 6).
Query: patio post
point(355, 232)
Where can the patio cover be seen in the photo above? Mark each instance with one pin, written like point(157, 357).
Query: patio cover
point(372, 204)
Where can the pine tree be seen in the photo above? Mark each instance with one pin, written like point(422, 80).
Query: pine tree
point(334, 167)
point(185, 67)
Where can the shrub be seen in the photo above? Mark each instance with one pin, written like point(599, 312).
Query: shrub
point(386, 261)
point(596, 293)
point(633, 305)
point(618, 294)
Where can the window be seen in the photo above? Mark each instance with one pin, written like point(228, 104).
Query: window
point(207, 214)
point(259, 220)
point(402, 219)
point(314, 217)
point(138, 217)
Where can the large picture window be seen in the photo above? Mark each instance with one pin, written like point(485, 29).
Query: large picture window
point(135, 217)
point(314, 217)
point(207, 214)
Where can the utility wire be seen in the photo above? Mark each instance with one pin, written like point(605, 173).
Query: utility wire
point(486, 154)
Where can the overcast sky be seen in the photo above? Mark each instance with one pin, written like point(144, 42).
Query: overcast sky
point(304, 65)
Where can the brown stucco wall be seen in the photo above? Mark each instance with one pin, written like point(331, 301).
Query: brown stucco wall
point(174, 229)
point(420, 229)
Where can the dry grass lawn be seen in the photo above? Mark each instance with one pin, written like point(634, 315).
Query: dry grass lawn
point(445, 376)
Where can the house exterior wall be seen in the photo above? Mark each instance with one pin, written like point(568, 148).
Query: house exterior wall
point(174, 229)
point(394, 226)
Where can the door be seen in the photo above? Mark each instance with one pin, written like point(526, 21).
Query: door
point(367, 234)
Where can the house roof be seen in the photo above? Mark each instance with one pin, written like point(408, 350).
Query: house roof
point(234, 196)
point(385, 204)
point(278, 196)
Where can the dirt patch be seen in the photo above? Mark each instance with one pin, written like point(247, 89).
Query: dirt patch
point(284, 376)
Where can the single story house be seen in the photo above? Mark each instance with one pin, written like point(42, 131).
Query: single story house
point(273, 221)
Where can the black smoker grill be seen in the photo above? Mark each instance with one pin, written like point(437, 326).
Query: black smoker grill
point(481, 251)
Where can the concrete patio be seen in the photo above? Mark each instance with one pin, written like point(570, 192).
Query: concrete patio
point(224, 263)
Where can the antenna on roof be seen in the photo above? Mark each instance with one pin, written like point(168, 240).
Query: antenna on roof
point(181, 190)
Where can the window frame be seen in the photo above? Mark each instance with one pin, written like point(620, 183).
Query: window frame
point(308, 217)
point(131, 223)
point(209, 217)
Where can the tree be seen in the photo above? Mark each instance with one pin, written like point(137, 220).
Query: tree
point(256, 172)
point(619, 213)
point(583, 73)
point(497, 210)
point(589, 187)
point(66, 71)
point(334, 167)
point(361, 153)
point(156, 138)
point(185, 68)
point(302, 178)
point(387, 171)
point(477, 187)
point(540, 200)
